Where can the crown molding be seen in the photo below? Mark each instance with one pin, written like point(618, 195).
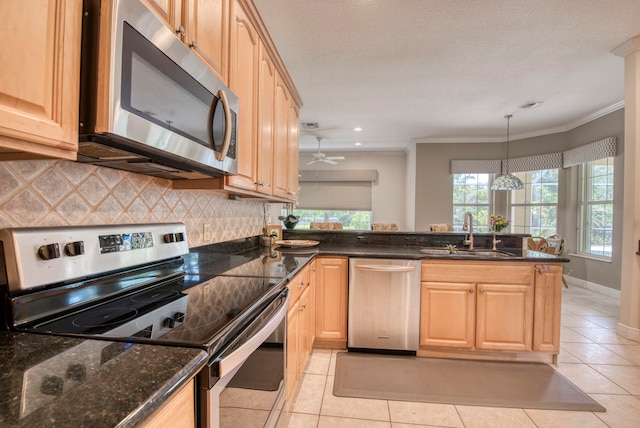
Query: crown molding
point(453, 140)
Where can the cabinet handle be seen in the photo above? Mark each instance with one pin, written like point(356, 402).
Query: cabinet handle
point(482, 291)
point(180, 30)
point(301, 285)
point(542, 268)
point(471, 291)
point(194, 45)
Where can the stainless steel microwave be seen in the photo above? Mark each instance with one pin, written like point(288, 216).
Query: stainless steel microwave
point(147, 103)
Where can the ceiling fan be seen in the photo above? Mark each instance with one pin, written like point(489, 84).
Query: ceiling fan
point(321, 157)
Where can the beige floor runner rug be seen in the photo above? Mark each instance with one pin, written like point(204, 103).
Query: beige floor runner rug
point(474, 383)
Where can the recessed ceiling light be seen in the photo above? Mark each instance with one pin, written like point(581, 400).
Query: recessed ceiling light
point(531, 104)
point(358, 143)
point(357, 129)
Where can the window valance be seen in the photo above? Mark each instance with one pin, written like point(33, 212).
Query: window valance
point(475, 166)
point(534, 162)
point(590, 152)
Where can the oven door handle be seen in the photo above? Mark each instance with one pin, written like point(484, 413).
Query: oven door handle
point(227, 363)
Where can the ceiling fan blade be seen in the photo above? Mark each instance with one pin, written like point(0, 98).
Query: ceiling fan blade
point(335, 157)
point(313, 161)
point(330, 162)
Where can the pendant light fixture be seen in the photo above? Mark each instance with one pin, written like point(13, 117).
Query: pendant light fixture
point(506, 181)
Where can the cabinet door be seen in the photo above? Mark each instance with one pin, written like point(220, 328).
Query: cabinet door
point(548, 299)
point(331, 299)
point(504, 317)
point(207, 33)
point(293, 153)
point(312, 303)
point(243, 81)
point(169, 11)
point(40, 78)
point(304, 337)
point(293, 332)
point(177, 412)
point(447, 314)
point(266, 92)
point(280, 138)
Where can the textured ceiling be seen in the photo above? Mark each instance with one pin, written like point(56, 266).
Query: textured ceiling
point(449, 70)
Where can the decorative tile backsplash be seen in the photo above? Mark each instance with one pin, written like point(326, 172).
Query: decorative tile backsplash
point(56, 193)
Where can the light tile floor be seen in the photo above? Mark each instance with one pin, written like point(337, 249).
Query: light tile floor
point(603, 364)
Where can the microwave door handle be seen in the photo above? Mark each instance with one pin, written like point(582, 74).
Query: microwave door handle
point(227, 128)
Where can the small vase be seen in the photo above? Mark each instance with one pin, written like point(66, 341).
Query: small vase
point(267, 241)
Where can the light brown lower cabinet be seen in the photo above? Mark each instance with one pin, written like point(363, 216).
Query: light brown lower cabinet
point(299, 321)
point(332, 277)
point(503, 310)
point(177, 412)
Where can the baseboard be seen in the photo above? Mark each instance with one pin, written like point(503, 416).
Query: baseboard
point(627, 332)
point(601, 289)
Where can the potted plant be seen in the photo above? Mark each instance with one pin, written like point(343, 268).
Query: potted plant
point(289, 220)
point(268, 237)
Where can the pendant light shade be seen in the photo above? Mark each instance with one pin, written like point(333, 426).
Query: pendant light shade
point(506, 181)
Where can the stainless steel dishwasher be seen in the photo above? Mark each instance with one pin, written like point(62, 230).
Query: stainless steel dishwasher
point(384, 304)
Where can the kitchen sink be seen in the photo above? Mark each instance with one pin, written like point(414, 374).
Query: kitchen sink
point(435, 251)
point(466, 253)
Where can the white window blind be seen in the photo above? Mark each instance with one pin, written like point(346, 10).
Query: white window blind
point(331, 189)
point(335, 195)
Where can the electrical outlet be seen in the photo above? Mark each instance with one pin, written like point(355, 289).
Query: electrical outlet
point(206, 232)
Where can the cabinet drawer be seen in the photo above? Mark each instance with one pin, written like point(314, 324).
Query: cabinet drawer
point(298, 284)
point(488, 272)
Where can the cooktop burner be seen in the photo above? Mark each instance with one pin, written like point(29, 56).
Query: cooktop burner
point(104, 317)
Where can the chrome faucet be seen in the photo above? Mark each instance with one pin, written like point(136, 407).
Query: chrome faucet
point(468, 225)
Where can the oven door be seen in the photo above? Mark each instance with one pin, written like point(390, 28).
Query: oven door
point(250, 390)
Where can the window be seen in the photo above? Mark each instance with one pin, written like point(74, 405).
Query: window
point(595, 235)
point(353, 220)
point(534, 208)
point(471, 193)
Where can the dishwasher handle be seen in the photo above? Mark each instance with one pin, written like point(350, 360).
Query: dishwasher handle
point(386, 268)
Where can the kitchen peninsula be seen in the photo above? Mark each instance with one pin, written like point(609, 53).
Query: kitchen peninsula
point(479, 304)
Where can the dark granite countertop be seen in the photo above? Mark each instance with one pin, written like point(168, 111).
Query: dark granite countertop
point(408, 245)
point(67, 382)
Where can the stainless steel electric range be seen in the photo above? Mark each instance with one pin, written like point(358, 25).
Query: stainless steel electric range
point(142, 284)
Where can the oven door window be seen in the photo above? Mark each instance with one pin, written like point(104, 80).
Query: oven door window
point(160, 91)
point(256, 390)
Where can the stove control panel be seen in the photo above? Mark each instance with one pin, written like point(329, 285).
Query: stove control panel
point(40, 256)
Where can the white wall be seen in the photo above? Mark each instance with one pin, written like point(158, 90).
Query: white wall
point(388, 193)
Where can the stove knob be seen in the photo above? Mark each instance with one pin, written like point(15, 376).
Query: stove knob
point(170, 237)
point(52, 385)
point(49, 251)
point(179, 316)
point(179, 237)
point(74, 248)
point(76, 372)
point(168, 323)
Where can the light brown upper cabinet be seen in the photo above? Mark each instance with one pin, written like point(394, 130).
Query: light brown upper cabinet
point(280, 138)
point(293, 153)
point(243, 81)
point(266, 97)
point(40, 79)
point(268, 123)
point(202, 25)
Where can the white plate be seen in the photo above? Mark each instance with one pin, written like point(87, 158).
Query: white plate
point(297, 243)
